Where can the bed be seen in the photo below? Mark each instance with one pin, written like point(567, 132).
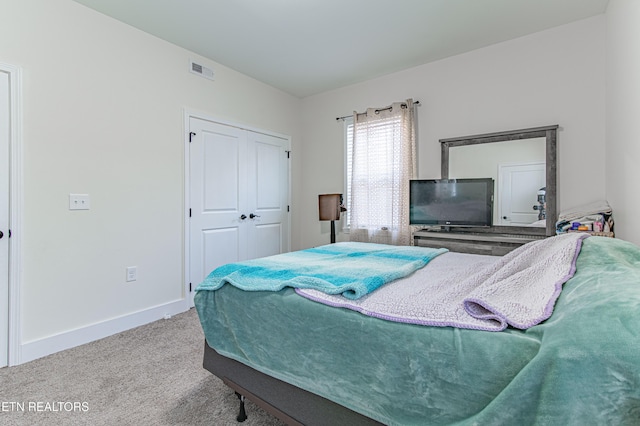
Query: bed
point(319, 362)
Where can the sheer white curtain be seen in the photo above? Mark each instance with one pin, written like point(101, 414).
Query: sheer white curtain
point(383, 162)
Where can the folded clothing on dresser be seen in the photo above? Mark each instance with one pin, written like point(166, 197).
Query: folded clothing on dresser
point(596, 216)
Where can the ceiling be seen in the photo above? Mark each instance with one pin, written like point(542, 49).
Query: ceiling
point(305, 47)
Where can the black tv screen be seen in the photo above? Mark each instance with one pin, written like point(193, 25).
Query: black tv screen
point(451, 202)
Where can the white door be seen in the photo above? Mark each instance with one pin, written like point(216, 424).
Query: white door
point(518, 186)
point(4, 218)
point(268, 195)
point(218, 181)
point(239, 190)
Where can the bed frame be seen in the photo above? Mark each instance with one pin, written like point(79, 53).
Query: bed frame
point(292, 405)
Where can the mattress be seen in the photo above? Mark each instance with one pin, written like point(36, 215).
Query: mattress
point(581, 366)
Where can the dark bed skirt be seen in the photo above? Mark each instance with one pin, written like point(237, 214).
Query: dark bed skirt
point(283, 400)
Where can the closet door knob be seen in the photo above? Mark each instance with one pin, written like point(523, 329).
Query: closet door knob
point(251, 216)
point(1, 235)
point(243, 217)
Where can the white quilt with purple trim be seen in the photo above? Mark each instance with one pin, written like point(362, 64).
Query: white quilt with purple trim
point(472, 291)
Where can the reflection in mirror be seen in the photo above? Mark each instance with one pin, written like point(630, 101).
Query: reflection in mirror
point(518, 170)
point(516, 159)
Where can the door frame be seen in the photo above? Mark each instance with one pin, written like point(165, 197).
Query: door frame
point(15, 210)
point(186, 244)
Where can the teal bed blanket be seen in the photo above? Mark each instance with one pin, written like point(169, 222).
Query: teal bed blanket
point(581, 366)
point(351, 269)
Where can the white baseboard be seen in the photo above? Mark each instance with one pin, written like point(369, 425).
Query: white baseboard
point(46, 346)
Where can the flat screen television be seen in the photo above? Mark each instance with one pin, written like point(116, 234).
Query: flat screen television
point(451, 202)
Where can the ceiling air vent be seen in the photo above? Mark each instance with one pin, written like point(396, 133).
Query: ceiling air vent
point(201, 70)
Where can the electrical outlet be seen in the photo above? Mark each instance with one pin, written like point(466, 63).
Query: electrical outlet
point(79, 202)
point(132, 273)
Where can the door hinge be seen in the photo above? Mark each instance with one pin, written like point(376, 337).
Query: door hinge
point(287, 208)
point(288, 154)
point(190, 288)
point(189, 212)
point(191, 135)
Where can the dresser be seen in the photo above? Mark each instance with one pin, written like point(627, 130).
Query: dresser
point(494, 244)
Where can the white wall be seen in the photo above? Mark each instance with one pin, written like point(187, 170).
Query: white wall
point(103, 115)
point(623, 113)
point(553, 77)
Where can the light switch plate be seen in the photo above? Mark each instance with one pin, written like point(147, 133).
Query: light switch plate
point(79, 202)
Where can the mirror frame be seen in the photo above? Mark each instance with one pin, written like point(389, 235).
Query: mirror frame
point(550, 133)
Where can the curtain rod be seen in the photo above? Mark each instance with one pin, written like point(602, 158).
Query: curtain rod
point(378, 110)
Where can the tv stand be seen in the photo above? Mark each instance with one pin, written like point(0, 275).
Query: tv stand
point(495, 244)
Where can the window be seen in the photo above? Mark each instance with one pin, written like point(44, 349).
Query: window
point(348, 154)
point(379, 162)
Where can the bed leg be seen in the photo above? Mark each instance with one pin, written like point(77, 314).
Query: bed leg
point(242, 415)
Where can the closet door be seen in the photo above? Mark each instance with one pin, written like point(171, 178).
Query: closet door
point(218, 182)
point(4, 218)
point(268, 195)
point(239, 189)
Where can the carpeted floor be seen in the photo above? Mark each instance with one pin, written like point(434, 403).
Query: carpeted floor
point(151, 375)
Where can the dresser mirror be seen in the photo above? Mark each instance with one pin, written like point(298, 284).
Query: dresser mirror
point(523, 166)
